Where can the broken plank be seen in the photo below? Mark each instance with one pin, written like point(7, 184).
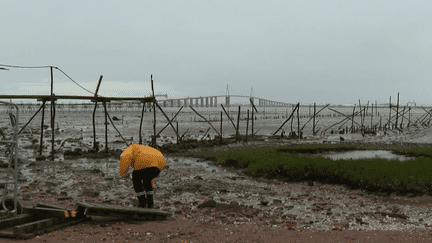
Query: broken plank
point(44, 213)
point(46, 205)
point(19, 219)
point(121, 211)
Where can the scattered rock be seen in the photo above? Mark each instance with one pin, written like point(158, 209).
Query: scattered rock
point(3, 164)
point(208, 204)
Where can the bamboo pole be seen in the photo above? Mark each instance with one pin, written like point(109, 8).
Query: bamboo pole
point(141, 122)
point(153, 143)
point(247, 126)
point(42, 127)
point(372, 114)
point(292, 120)
point(397, 111)
point(204, 119)
point(364, 117)
point(313, 122)
point(229, 117)
point(106, 127)
point(221, 128)
point(155, 102)
point(52, 114)
point(30, 120)
point(409, 116)
point(254, 108)
point(389, 113)
point(352, 120)
point(341, 121)
point(292, 113)
point(205, 133)
point(94, 113)
point(112, 123)
point(238, 125)
point(172, 119)
point(315, 114)
point(361, 117)
point(403, 112)
point(298, 122)
point(349, 117)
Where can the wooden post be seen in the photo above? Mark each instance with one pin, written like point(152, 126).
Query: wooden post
point(221, 129)
point(247, 125)
point(292, 113)
point(174, 117)
point(403, 113)
point(154, 115)
point(292, 123)
point(253, 123)
point(106, 128)
point(42, 127)
point(40, 108)
point(112, 123)
point(253, 118)
point(204, 119)
point(141, 122)
point(237, 128)
point(372, 114)
point(389, 114)
point(229, 117)
point(352, 120)
point(313, 128)
point(177, 131)
point(361, 117)
point(52, 114)
point(298, 122)
point(365, 114)
point(397, 111)
point(94, 113)
point(409, 116)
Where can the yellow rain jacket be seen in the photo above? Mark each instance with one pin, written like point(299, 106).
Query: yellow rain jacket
point(143, 156)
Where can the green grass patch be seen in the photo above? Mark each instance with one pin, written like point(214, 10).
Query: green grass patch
point(294, 163)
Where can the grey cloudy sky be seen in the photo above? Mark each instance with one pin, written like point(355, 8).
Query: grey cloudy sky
point(324, 51)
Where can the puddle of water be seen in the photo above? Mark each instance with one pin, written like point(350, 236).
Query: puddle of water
point(365, 154)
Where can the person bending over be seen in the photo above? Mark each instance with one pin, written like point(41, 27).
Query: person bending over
point(147, 163)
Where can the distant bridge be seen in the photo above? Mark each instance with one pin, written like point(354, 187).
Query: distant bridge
point(211, 101)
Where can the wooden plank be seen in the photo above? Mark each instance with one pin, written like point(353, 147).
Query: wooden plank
point(121, 211)
point(46, 212)
point(19, 219)
point(31, 229)
point(33, 226)
point(46, 205)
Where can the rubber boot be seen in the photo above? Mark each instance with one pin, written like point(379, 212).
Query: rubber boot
point(142, 201)
point(150, 203)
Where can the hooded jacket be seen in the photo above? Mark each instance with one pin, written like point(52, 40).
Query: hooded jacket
point(142, 156)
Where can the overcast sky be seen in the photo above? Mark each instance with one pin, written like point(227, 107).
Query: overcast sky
point(323, 51)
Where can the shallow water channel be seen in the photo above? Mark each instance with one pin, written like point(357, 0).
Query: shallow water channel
point(365, 154)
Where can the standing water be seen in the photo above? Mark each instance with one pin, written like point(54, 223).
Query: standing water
point(365, 154)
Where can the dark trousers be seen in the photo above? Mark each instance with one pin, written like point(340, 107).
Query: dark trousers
point(142, 178)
